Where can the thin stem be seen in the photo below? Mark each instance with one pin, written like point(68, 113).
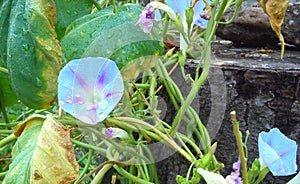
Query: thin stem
point(239, 142)
point(7, 140)
point(262, 174)
point(96, 4)
point(87, 165)
point(4, 70)
point(2, 174)
point(98, 178)
point(88, 146)
point(130, 176)
point(169, 141)
point(194, 91)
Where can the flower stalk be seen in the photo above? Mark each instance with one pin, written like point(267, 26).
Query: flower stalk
point(239, 142)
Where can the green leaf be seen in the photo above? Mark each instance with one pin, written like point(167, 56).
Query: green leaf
point(120, 40)
point(34, 53)
point(68, 11)
point(7, 95)
point(5, 7)
point(254, 171)
point(43, 153)
point(211, 177)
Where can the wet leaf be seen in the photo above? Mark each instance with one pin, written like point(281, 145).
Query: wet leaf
point(90, 88)
point(7, 95)
point(5, 7)
point(276, 9)
point(94, 36)
point(42, 154)
point(68, 11)
point(34, 53)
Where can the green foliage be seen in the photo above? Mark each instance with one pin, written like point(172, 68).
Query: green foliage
point(5, 7)
point(93, 35)
point(254, 171)
point(34, 54)
point(68, 11)
point(7, 96)
point(42, 153)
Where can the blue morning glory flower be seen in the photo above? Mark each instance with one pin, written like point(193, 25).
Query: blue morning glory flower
point(90, 88)
point(179, 7)
point(277, 152)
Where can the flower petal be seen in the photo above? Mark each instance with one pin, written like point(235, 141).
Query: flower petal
point(295, 180)
point(179, 7)
point(90, 88)
point(277, 152)
point(211, 177)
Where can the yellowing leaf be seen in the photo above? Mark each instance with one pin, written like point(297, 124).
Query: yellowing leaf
point(43, 153)
point(276, 9)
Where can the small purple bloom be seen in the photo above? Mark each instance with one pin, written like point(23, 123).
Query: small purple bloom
point(146, 18)
point(205, 15)
point(277, 152)
point(111, 133)
point(90, 88)
point(234, 177)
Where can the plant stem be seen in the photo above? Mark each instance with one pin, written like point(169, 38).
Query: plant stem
point(130, 176)
point(194, 91)
point(239, 142)
point(88, 146)
point(7, 140)
point(98, 178)
point(87, 165)
point(2, 174)
point(4, 70)
point(96, 4)
point(169, 141)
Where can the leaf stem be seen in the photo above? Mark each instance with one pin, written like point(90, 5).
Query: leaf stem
point(7, 140)
point(98, 178)
point(88, 146)
point(168, 140)
point(87, 165)
point(4, 70)
point(130, 176)
point(2, 174)
point(96, 4)
point(239, 142)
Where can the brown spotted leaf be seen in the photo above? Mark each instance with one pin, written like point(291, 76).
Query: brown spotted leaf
point(43, 153)
point(276, 9)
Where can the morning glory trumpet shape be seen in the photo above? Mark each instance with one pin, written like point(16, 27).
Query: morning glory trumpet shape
point(277, 152)
point(90, 88)
point(179, 7)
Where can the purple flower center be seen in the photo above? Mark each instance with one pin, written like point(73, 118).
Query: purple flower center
point(109, 133)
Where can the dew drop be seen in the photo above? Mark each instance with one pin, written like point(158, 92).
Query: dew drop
point(38, 82)
point(102, 115)
point(81, 34)
point(25, 47)
point(103, 104)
